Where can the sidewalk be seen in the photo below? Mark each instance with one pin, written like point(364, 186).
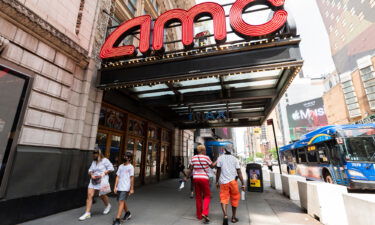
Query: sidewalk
point(162, 204)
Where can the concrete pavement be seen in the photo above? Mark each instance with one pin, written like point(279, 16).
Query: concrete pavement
point(163, 204)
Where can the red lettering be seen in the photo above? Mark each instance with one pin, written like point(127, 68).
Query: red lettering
point(187, 19)
point(166, 18)
point(110, 49)
point(217, 13)
point(242, 28)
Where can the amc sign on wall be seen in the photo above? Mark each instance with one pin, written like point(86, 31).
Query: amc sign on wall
point(153, 31)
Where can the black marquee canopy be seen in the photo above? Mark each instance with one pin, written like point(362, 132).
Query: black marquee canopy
point(235, 84)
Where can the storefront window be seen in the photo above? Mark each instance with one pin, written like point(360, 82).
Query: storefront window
point(111, 118)
point(101, 141)
point(12, 91)
point(149, 159)
point(154, 159)
point(138, 159)
point(165, 136)
point(136, 127)
point(114, 155)
point(130, 146)
point(163, 160)
point(153, 132)
point(166, 154)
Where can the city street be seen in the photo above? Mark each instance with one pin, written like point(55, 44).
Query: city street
point(163, 204)
point(134, 93)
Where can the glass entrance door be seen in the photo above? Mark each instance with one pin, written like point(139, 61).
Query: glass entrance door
point(110, 145)
point(164, 155)
point(135, 146)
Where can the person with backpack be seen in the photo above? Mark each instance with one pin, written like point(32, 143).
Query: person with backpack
point(228, 169)
point(199, 166)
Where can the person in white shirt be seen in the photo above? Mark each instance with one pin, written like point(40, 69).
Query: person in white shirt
point(98, 171)
point(124, 187)
point(228, 169)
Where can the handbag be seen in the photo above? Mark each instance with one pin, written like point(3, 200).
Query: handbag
point(96, 181)
point(105, 187)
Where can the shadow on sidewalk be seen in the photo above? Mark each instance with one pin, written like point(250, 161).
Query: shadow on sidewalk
point(163, 204)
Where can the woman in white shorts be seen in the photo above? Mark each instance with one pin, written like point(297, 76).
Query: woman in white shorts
point(98, 171)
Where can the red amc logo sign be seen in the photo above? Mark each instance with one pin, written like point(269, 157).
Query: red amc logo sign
point(110, 49)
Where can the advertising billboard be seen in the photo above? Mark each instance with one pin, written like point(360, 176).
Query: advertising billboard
point(305, 117)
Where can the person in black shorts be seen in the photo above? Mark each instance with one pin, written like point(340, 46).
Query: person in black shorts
point(124, 187)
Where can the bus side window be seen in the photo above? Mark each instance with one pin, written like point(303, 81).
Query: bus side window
point(335, 155)
point(312, 157)
point(302, 155)
point(295, 155)
point(323, 153)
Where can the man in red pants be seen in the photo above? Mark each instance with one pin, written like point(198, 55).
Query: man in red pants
point(199, 167)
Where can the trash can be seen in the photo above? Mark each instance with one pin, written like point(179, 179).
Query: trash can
point(254, 177)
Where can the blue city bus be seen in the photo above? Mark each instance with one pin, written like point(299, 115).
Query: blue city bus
point(340, 154)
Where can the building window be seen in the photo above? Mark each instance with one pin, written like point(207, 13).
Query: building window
point(349, 95)
point(351, 100)
point(371, 97)
point(156, 5)
point(370, 90)
point(368, 74)
point(354, 113)
point(353, 106)
point(348, 89)
point(369, 83)
point(132, 6)
point(347, 84)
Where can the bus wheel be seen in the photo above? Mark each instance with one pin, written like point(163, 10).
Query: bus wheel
point(328, 179)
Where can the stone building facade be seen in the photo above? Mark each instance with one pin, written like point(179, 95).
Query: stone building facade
point(46, 141)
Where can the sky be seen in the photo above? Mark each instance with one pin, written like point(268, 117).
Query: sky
point(315, 46)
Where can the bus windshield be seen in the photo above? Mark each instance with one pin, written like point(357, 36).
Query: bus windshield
point(359, 144)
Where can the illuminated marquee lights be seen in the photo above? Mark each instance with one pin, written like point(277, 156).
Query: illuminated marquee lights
point(187, 19)
point(247, 30)
point(110, 49)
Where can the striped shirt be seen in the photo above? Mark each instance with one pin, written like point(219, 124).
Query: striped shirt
point(200, 164)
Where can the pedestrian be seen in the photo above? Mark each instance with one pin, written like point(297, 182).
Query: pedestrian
point(99, 182)
point(199, 168)
point(124, 187)
point(269, 164)
point(228, 168)
point(181, 167)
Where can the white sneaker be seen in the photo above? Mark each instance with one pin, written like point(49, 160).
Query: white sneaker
point(107, 209)
point(86, 215)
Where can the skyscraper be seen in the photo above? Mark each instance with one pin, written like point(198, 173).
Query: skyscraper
point(351, 28)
